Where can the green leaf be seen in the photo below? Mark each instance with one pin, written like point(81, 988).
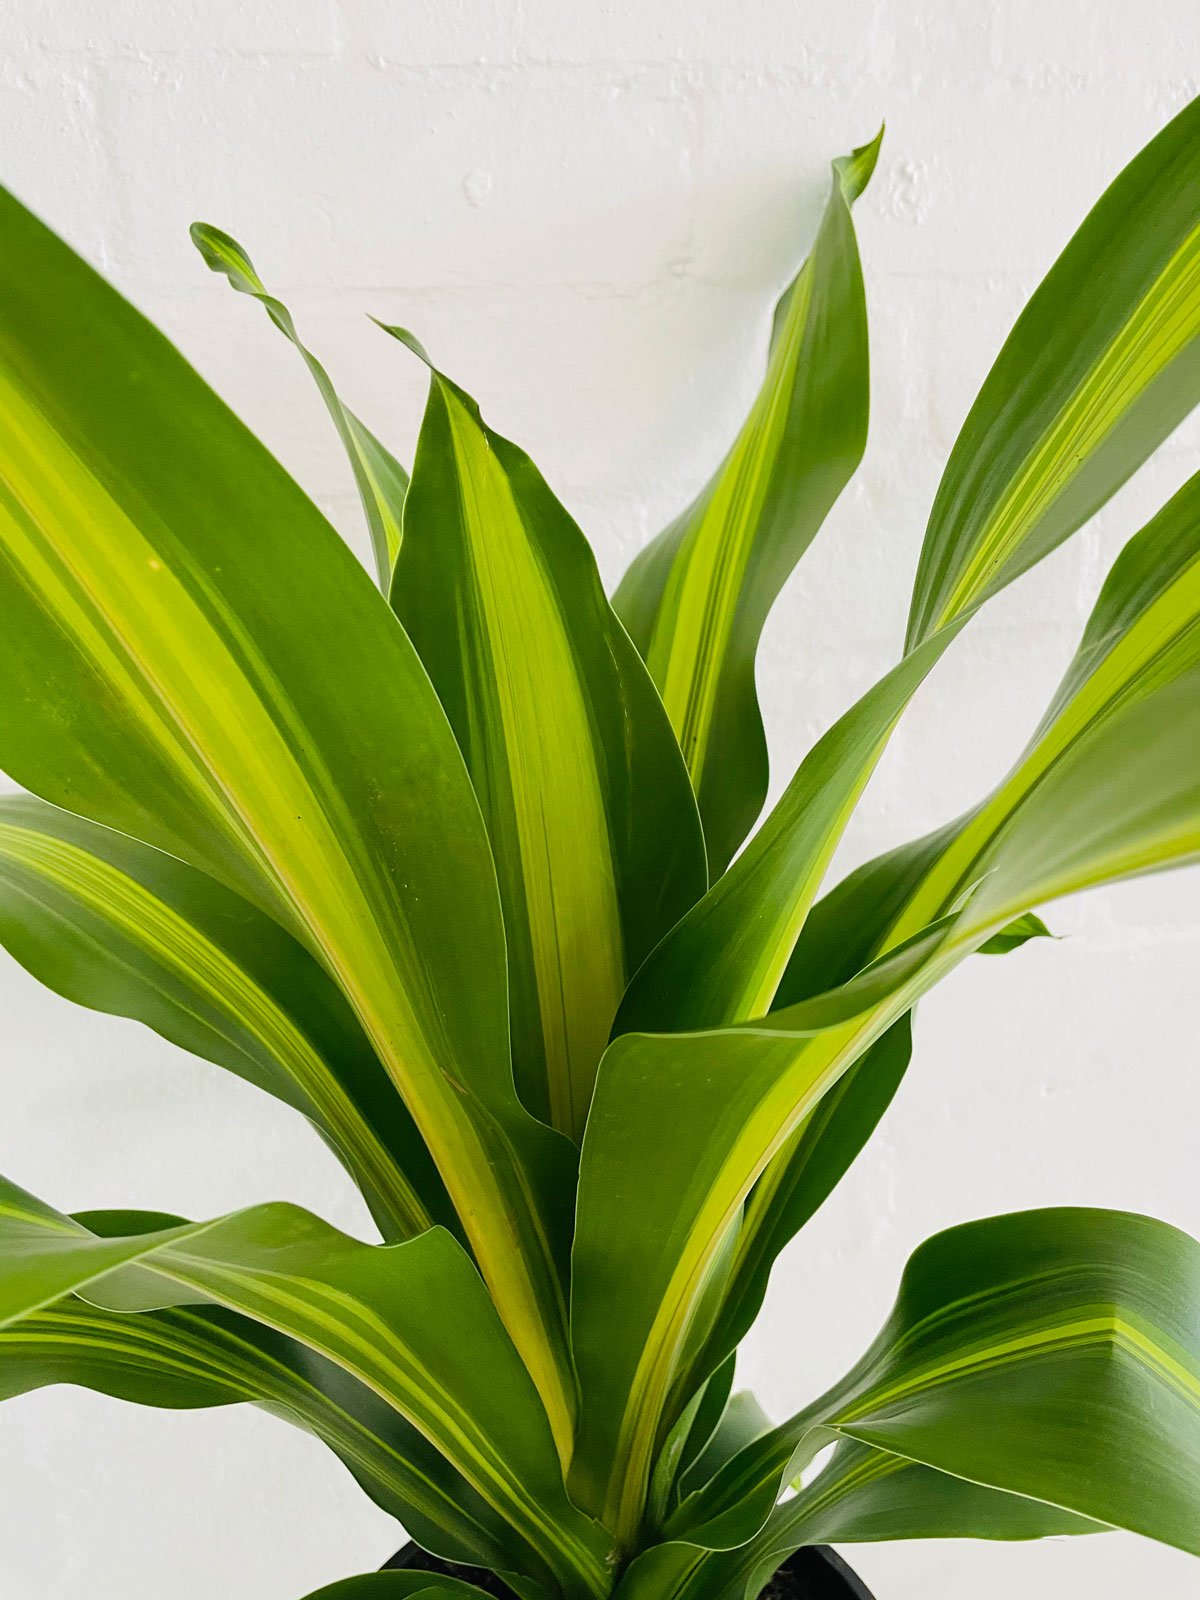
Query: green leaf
point(1142, 641)
point(1100, 367)
point(1019, 931)
point(1145, 629)
point(696, 599)
point(1051, 1354)
point(834, 944)
point(863, 1495)
point(201, 1356)
point(200, 662)
point(398, 1586)
point(866, 1496)
point(381, 481)
point(723, 963)
point(115, 925)
point(742, 1422)
point(1042, 449)
point(699, 1423)
point(410, 1321)
point(802, 1176)
point(685, 1125)
point(591, 816)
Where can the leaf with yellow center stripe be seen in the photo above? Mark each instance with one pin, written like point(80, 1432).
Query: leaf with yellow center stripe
point(412, 1322)
point(380, 479)
point(196, 659)
point(696, 599)
point(591, 816)
point(1122, 306)
point(1101, 365)
point(204, 1356)
point(1109, 788)
point(116, 925)
point(1049, 1354)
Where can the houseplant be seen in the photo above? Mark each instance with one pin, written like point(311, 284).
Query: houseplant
point(410, 866)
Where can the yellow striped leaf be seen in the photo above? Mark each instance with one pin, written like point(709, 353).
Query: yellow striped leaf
point(591, 816)
point(200, 662)
point(1049, 1354)
point(863, 1495)
point(685, 1125)
point(696, 599)
point(1100, 367)
point(1143, 635)
point(202, 1356)
point(412, 1322)
point(112, 924)
point(724, 962)
point(380, 479)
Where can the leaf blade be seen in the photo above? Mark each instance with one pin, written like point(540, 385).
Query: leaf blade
point(204, 665)
point(587, 801)
point(410, 1321)
point(1049, 1354)
point(381, 481)
point(115, 925)
point(696, 599)
point(1100, 367)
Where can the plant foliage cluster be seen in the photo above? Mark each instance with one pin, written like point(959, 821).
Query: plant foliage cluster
point(462, 866)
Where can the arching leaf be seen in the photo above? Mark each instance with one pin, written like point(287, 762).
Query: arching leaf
point(381, 481)
point(410, 1321)
point(116, 925)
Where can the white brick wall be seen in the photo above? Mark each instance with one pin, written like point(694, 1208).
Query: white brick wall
point(586, 209)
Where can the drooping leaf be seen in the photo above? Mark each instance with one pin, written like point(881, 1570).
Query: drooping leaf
point(201, 1356)
point(381, 481)
point(113, 924)
point(1050, 1354)
point(1019, 931)
point(1100, 367)
point(412, 1322)
point(591, 816)
point(696, 599)
point(196, 659)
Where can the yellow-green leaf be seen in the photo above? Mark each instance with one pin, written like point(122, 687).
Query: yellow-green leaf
point(1099, 368)
point(1049, 1354)
point(591, 816)
point(696, 599)
point(116, 925)
point(196, 659)
point(684, 1125)
point(381, 481)
point(412, 1322)
point(200, 1356)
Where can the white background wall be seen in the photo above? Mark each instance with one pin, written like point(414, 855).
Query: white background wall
point(586, 210)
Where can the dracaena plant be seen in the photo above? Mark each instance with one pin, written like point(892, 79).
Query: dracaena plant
point(460, 866)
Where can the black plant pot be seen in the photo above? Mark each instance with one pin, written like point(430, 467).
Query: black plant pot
point(815, 1573)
